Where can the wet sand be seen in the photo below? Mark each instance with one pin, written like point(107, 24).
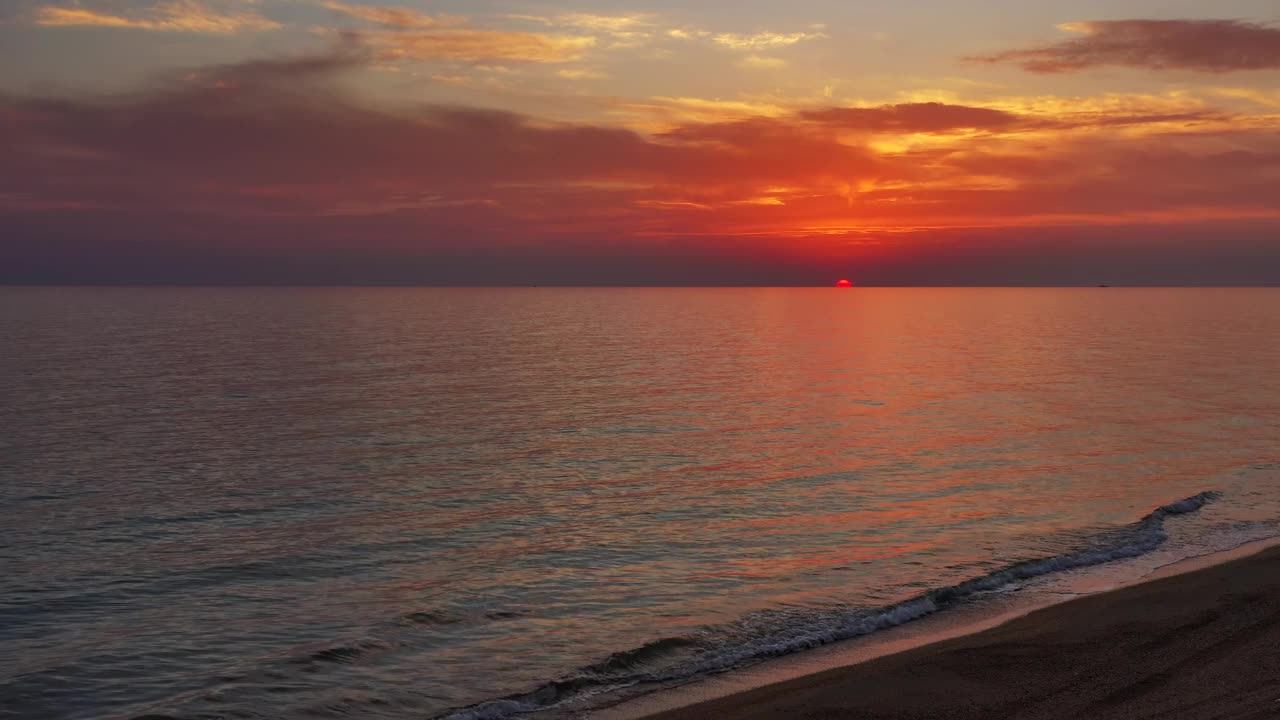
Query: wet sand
point(1200, 645)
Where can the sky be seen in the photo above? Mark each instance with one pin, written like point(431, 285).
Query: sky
point(646, 142)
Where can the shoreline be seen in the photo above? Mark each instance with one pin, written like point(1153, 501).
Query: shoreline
point(970, 606)
point(1199, 638)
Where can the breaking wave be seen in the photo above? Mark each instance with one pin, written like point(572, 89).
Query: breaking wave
point(719, 649)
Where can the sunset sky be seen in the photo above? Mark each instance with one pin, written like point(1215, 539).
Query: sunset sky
point(640, 141)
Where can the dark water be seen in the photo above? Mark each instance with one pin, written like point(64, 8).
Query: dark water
point(289, 503)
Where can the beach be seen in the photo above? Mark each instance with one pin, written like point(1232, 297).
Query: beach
point(1193, 646)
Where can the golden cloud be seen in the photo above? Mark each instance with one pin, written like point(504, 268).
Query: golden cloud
point(661, 114)
point(1265, 98)
point(581, 74)
point(612, 24)
point(623, 31)
point(684, 34)
point(763, 40)
point(396, 18)
point(175, 16)
point(483, 45)
point(760, 62)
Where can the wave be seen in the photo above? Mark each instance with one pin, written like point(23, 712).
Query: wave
point(683, 658)
point(342, 654)
point(446, 617)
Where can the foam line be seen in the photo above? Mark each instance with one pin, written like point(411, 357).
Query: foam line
point(635, 667)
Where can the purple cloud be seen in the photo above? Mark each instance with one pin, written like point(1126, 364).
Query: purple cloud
point(1211, 46)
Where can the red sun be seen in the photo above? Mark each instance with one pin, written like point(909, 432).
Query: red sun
point(844, 284)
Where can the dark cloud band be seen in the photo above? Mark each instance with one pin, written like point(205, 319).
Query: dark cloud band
point(1210, 46)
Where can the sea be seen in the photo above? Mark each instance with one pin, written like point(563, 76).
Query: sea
point(393, 503)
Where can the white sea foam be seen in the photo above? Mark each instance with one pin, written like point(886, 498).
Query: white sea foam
point(822, 627)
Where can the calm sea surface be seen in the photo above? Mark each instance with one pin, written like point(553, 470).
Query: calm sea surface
point(405, 503)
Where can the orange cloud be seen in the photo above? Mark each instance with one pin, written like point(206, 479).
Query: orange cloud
point(1212, 46)
point(175, 16)
point(659, 114)
point(810, 162)
point(409, 34)
point(914, 118)
point(396, 18)
point(270, 145)
point(483, 45)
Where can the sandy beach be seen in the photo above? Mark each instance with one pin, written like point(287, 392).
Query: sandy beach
point(1200, 645)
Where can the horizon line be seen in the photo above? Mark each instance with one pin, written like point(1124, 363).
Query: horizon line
point(638, 286)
